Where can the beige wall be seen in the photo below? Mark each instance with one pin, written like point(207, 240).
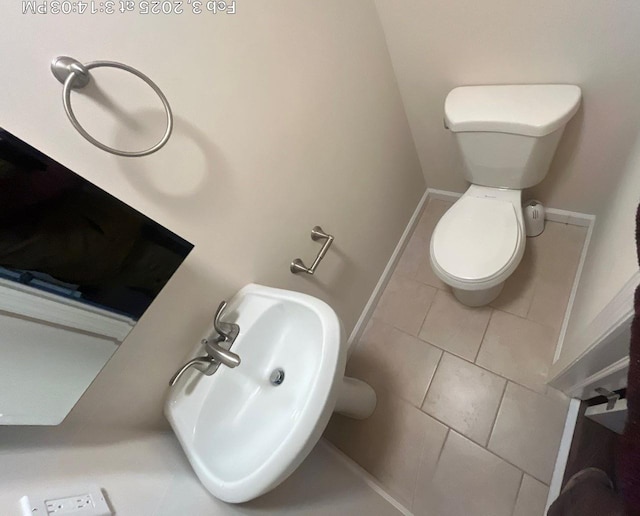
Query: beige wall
point(437, 45)
point(287, 115)
point(611, 260)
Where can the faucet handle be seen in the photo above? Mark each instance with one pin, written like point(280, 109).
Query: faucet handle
point(218, 353)
point(217, 323)
point(227, 332)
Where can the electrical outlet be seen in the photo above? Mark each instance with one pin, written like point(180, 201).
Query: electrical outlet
point(80, 504)
point(89, 502)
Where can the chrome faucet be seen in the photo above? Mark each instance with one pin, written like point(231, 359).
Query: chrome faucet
point(225, 333)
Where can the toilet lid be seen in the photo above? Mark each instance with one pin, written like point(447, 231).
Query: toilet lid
point(476, 238)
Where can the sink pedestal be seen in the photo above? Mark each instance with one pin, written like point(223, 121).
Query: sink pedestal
point(356, 399)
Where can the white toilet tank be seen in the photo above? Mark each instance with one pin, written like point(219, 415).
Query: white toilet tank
point(508, 134)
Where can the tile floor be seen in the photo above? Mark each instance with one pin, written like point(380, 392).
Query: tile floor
point(465, 425)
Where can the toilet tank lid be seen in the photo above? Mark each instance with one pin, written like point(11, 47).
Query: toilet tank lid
point(525, 109)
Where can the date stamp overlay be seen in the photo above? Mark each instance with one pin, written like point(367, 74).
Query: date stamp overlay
point(122, 7)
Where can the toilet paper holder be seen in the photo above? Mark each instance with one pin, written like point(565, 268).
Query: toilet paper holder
point(317, 233)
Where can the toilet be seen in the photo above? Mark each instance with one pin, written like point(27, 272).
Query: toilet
point(507, 136)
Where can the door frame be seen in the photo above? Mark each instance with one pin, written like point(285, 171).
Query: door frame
point(606, 354)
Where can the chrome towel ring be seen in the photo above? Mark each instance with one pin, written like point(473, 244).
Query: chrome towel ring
point(74, 75)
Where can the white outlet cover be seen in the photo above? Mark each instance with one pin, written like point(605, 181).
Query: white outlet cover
point(67, 501)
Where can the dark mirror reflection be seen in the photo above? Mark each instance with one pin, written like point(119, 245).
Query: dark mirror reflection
point(78, 268)
point(60, 233)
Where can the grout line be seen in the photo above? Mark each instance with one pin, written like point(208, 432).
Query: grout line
point(534, 288)
point(446, 438)
point(415, 482)
point(484, 333)
point(501, 458)
point(495, 419)
point(449, 427)
point(524, 318)
point(435, 467)
point(515, 501)
point(486, 447)
point(397, 327)
point(435, 371)
point(424, 319)
point(543, 394)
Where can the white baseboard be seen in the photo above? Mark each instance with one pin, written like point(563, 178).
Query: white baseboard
point(563, 452)
point(443, 195)
point(552, 214)
point(569, 217)
point(365, 475)
point(574, 288)
point(386, 275)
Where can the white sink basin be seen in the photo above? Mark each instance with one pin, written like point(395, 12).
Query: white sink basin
point(244, 435)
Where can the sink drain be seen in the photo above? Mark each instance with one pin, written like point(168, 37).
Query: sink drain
point(277, 377)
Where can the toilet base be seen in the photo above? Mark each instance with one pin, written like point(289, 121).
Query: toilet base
point(356, 399)
point(477, 297)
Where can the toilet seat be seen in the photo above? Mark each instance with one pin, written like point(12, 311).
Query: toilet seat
point(479, 241)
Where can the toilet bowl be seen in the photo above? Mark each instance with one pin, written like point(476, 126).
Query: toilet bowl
point(478, 243)
point(507, 136)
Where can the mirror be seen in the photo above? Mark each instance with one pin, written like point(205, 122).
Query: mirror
point(78, 268)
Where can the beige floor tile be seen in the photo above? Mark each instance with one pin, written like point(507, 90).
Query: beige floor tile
point(468, 480)
point(557, 252)
point(389, 444)
point(518, 349)
point(464, 397)
point(416, 251)
point(432, 214)
point(425, 274)
point(434, 209)
point(426, 469)
point(539, 288)
point(517, 293)
point(393, 361)
point(532, 498)
point(404, 304)
point(414, 262)
point(454, 327)
point(528, 430)
point(549, 304)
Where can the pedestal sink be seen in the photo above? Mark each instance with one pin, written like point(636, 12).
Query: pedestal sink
point(245, 430)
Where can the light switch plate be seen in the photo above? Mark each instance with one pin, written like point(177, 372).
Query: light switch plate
point(67, 501)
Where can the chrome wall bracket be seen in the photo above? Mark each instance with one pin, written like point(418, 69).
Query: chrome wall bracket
point(63, 66)
point(74, 75)
point(317, 234)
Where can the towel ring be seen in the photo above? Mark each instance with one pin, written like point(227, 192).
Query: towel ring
point(75, 75)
